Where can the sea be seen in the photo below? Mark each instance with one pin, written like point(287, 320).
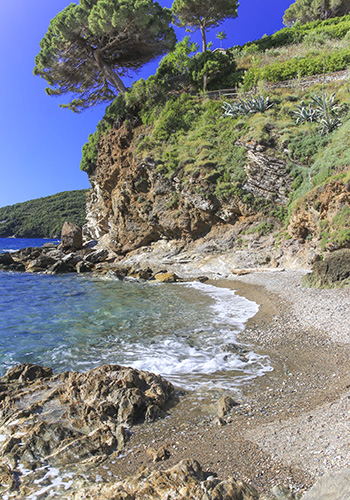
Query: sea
point(186, 332)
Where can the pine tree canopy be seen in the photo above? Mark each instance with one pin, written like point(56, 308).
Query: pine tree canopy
point(90, 46)
point(304, 11)
point(203, 15)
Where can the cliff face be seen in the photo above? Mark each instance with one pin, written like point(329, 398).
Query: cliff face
point(323, 215)
point(132, 204)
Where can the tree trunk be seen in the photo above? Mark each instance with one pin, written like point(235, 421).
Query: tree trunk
point(114, 79)
point(108, 73)
point(204, 39)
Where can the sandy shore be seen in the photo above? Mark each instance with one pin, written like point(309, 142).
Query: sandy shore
point(292, 425)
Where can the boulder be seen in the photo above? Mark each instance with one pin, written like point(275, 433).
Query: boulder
point(71, 236)
point(334, 486)
point(166, 277)
point(332, 272)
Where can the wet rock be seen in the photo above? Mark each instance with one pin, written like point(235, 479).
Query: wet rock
point(184, 481)
point(40, 263)
point(142, 274)
point(97, 256)
point(166, 277)
point(8, 264)
point(61, 267)
point(71, 236)
point(6, 259)
point(71, 417)
point(83, 267)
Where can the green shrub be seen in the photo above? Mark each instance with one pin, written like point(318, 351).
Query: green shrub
point(335, 28)
point(298, 67)
point(176, 117)
point(336, 231)
point(304, 146)
point(89, 153)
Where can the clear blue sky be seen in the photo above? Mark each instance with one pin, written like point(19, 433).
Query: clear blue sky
point(40, 143)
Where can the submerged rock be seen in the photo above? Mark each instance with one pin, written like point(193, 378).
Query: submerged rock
point(184, 481)
point(72, 417)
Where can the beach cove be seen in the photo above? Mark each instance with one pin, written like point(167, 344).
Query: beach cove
point(288, 426)
point(291, 425)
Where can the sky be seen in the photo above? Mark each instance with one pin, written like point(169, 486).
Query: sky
point(41, 143)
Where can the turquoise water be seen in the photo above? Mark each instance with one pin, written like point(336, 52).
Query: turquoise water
point(71, 322)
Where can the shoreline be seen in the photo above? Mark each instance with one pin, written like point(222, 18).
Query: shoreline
point(292, 424)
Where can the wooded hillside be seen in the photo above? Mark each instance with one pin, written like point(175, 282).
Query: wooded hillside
point(43, 217)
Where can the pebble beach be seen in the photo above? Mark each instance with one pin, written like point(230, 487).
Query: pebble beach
point(292, 425)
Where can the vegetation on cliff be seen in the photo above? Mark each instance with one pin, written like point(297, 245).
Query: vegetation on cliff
point(208, 153)
point(43, 217)
point(304, 11)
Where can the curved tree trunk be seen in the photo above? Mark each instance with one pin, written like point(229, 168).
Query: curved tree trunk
point(108, 73)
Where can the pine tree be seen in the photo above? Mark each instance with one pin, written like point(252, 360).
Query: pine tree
point(90, 47)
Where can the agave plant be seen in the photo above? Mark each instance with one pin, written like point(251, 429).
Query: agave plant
point(304, 113)
point(248, 106)
point(260, 104)
point(322, 109)
point(327, 112)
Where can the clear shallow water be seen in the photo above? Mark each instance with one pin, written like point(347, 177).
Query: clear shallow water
point(182, 331)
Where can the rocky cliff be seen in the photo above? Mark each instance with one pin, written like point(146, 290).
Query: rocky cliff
point(133, 204)
point(260, 189)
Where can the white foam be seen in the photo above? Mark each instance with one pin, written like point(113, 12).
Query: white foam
point(228, 307)
point(187, 361)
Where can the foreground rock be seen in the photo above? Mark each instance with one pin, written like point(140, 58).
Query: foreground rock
point(184, 481)
point(333, 271)
point(335, 486)
point(64, 419)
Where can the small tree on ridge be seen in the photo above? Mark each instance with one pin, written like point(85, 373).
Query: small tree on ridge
point(203, 14)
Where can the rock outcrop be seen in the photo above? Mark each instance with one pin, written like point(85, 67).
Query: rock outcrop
point(323, 214)
point(133, 204)
point(72, 417)
point(184, 481)
point(333, 271)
